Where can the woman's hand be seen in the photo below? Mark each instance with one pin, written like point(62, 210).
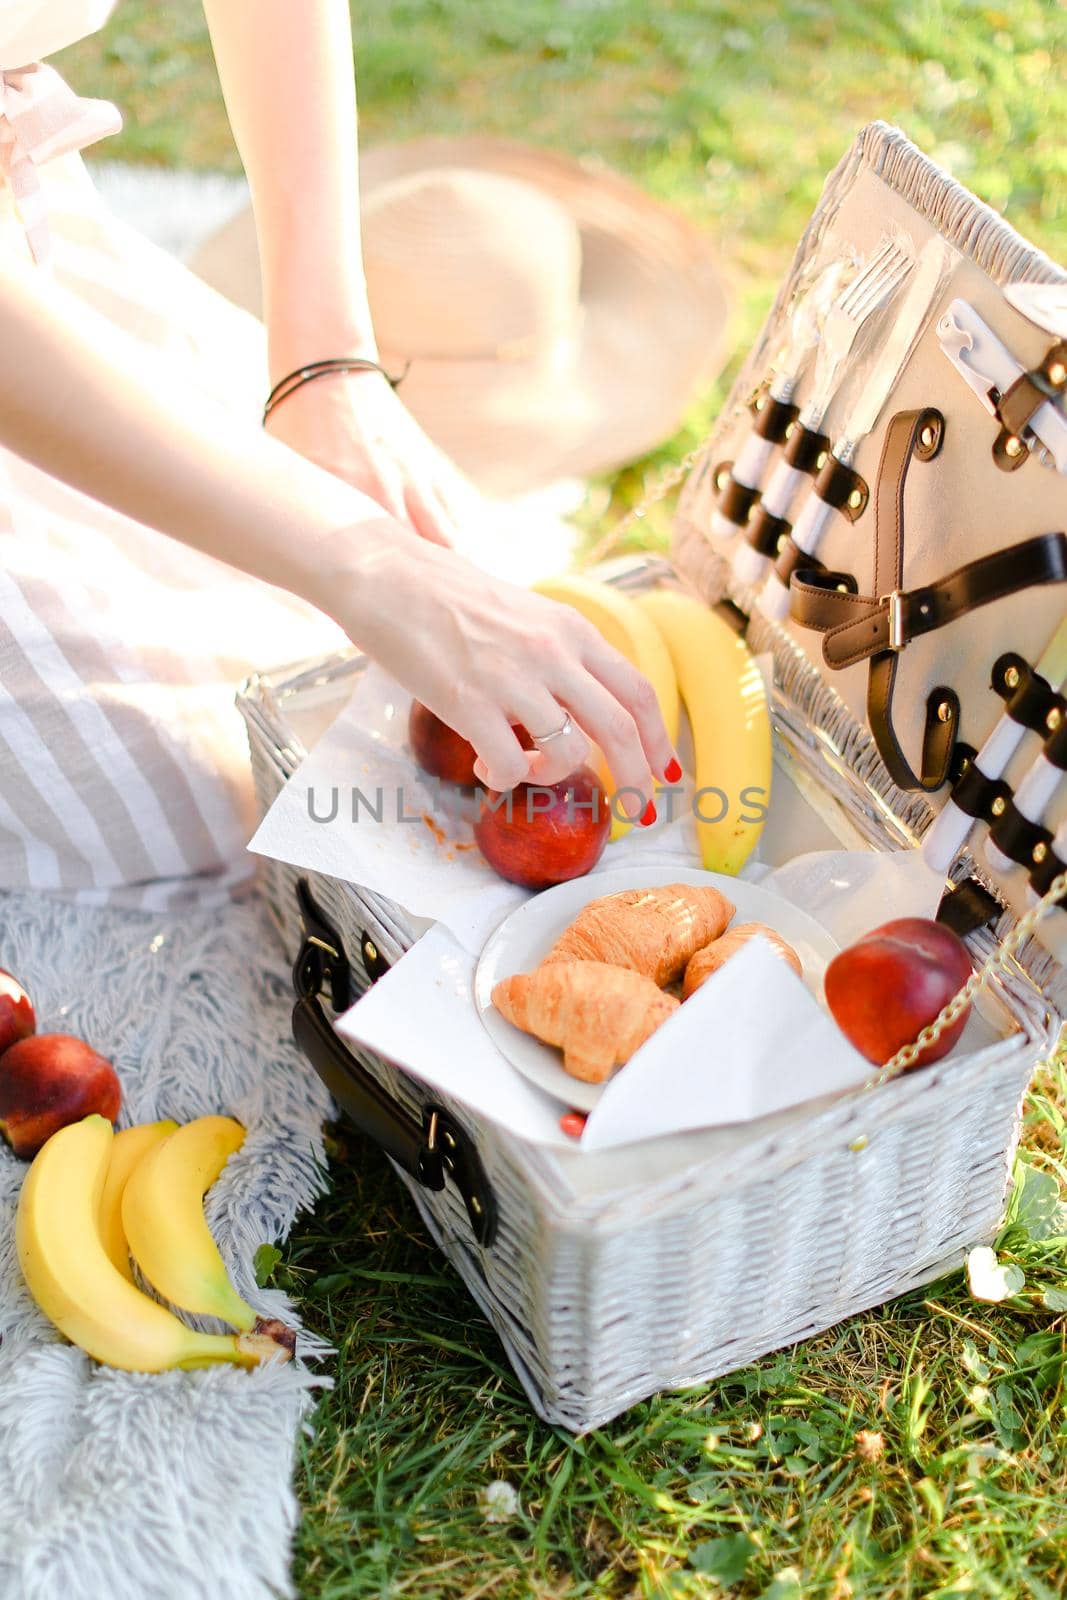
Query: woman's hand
point(485, 655)
point(356, 427)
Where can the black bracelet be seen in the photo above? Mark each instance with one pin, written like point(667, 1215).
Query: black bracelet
point(319, 369)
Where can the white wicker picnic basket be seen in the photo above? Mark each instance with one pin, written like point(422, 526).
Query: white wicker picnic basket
point(613, 1275)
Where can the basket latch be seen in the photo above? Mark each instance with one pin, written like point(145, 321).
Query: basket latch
point(432, 1149)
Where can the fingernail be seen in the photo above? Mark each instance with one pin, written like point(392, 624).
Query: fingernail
point(672, 772)
point(573, 1122)
point(648, 815)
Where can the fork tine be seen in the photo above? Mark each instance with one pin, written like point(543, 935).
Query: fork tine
point(892, 271)
point(871, 269)
point(885, 259)
point(886, 282)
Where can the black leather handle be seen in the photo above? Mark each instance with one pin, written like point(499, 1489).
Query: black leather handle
point(430, 1150)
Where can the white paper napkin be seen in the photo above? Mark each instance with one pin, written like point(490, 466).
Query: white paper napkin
point(751, 1041)
point(421, 1014)
point(359, 809)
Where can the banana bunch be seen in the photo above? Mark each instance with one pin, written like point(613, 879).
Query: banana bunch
point(725, 699)
point(91, 1198)
point(634, 635)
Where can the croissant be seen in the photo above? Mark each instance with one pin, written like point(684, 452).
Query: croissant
point(598, 1013)
point(651, 931)
point(714, 955)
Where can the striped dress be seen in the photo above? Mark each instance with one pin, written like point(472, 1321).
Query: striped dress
point(123, 764)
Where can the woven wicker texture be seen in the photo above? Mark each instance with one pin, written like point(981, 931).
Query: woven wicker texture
point(611, 1278)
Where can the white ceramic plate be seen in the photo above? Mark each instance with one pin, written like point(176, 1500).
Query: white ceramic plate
point(528, 933)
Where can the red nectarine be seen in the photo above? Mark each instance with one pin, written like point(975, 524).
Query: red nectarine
point(539, 834)
point(441, 751)
point(884, 989)
point(48, 1081)
point(17, 1020)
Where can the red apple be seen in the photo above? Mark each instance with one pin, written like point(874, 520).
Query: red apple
point(539, 834)
point(441, 751)
point(17, 1020)
point(48, 1081)
point(884, 989)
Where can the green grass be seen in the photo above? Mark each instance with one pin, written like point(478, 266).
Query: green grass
point(754, 1485)
point(735, 111)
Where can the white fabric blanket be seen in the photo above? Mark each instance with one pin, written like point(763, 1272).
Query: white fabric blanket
point(178, 1486)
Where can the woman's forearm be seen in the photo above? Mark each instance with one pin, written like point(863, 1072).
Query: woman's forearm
point(287, 76)
point(83, 405)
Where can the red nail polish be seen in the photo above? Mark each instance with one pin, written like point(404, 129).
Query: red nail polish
point(573, 1122)
point(673, 771)
point(648, 816)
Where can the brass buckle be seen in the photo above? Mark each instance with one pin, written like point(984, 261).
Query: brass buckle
point(894, 603)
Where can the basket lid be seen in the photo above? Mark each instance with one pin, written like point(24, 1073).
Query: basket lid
point(885, 499)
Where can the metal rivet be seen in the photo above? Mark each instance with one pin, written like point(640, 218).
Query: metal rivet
point(927, 437)
point(842, 588)
point(1057, 374)
point(370, 951)
point(722, 478)
point(789, 429)
point(944, 711)
point(1040, 852)
point(1054, 719)
point(820, 459)
point(783, 541)
point(860, 1143)
point(761, 402)
point(999, 806)
point(855, 499)
point(1011, 677)
point(1013, 446)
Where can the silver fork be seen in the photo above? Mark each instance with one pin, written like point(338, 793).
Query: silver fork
point(815, 292)
point(850, 314)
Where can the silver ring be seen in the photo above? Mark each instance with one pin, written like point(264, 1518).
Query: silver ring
point(565, 727)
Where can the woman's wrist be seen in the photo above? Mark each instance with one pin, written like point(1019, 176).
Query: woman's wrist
point(351, 571)
point(295, 338)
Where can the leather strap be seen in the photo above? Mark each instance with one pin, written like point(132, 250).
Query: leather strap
point(859, 626)
point(878, 627)
point(1044, 871)
point(767, 534)
point(1029, 699)
point(1017, 405)
point(843, 489)
point(791, 558)
point(805, 450)
point(736, 499)
point(773, 418)
point(1055, 751)
point(979, 796)
point(1021, 840)
point(967, 906)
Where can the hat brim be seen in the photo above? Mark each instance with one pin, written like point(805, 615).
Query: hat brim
point(654, 310)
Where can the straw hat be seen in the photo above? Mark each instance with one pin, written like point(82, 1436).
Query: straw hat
point(557, 319)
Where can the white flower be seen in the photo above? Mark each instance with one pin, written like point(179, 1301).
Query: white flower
point(988, 1280)
point(499, 1501)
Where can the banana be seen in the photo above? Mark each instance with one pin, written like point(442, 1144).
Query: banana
point(163, 1217)
point(726, 701)
point(127, 1148)
point(68, 1271)
point(622, 623)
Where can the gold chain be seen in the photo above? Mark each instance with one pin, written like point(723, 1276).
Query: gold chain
point(908, 1054)
point(668, 480)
